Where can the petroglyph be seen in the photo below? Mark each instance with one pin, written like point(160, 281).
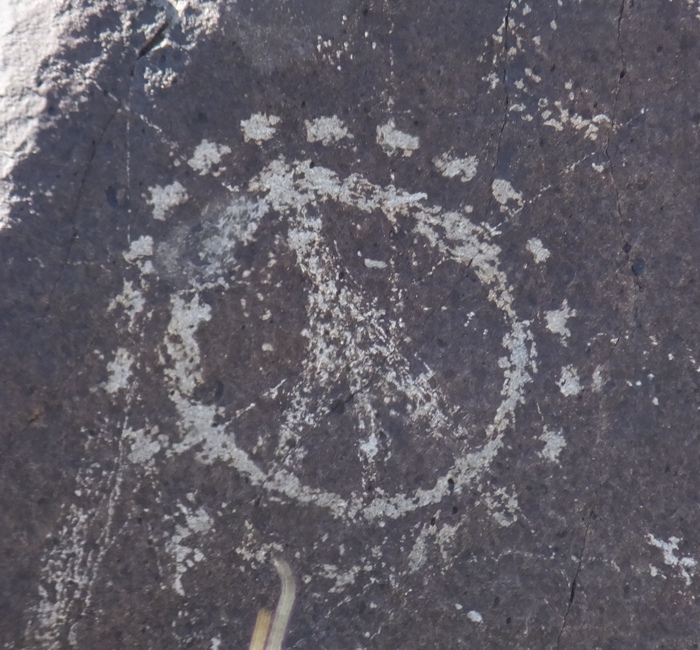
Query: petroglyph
point(350, 341)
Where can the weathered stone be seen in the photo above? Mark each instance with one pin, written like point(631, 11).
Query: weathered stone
point(402, 295)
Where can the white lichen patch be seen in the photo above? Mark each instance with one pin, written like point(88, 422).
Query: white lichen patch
point(502, 507)
point(391, 140)
point(538, 250)
point(139, 248)
point(205, 258)
point(554, 443)
point(556, 113)
point(686, 565)
point(255, 551)
point(234, 225)
point(597, 379)
point(259, 127)
point(119, 370)
point(145, 444)
point(131, 300)
point(181, 343)
point(493, 80)
point(370, 447)
point(375, 264)
point(504, 192)
point(326, 130)
point(557, 320)
point(155, 78)
point(342, 579)
point(590, 127)
point(185, 556)
point(418, 555)
point(206, 155)
point(450, 166)
point(165, 198)
point(475, 617)
point(569, 382)
point(445, 539)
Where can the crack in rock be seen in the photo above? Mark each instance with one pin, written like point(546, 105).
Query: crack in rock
point(613, 124)
point(574, 581)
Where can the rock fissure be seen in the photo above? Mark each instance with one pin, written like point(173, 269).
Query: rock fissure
point(574, 581)
point(76, 205)
point(612, 130)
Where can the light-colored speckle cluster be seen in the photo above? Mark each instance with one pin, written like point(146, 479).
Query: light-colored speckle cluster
point(569, 382)
point(392, 141)
point(326, 130)
point(504, 193)
point(557, 318)
point(259, 127)
point(554, 443)
point(119, 371)
point(181, 548)
point(538, 250)
point(206, 155)
point(475, 617)
point(165, 198)
point(452, 167)
point(686, 566)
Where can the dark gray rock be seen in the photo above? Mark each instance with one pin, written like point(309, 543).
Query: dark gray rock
point(403, 295)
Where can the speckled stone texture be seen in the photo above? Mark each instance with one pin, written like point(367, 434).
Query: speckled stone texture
point(402, 293)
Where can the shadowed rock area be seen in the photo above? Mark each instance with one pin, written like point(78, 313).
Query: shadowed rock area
point(401, 294)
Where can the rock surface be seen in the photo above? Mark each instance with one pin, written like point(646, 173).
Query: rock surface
point(404, 294)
